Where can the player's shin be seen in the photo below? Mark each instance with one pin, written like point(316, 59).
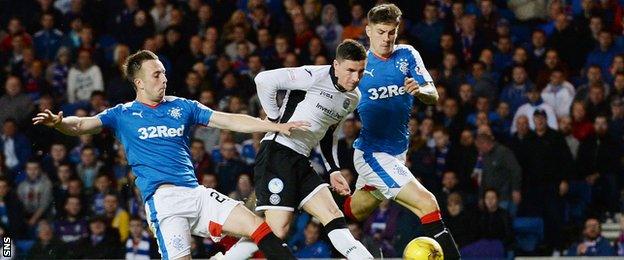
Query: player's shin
point(271, 245)
point(433, 226)
point(344, 241)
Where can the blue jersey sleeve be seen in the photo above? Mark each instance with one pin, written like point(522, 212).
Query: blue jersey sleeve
point(109, 116)
point(200, 114)
point(417, 68)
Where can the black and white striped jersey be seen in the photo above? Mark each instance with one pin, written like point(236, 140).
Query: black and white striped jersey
point(313, 95)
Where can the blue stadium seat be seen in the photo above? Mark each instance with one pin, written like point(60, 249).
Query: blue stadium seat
point(529, 232)
point(22, 247)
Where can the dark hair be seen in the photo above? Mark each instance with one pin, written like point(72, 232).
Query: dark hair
point(135, 61)
point(384, 13)
point(350, 50)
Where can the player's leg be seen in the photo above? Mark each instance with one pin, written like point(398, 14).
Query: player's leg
point(170, 227)
point(321, 205)
point(393, 180)
point(243, 222)
point(219, 213)
point(360, 205)
point(421, 202)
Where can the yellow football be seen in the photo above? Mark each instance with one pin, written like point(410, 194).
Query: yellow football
point(423, 248)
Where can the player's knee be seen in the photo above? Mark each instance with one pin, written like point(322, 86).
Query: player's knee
point(281, 230)
point(361, 211)
point(427, 202)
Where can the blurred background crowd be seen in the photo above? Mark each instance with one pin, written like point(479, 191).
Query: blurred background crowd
point(523, 150)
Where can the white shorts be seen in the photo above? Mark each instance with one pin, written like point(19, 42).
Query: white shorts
point(174, 213)
point(380, 173)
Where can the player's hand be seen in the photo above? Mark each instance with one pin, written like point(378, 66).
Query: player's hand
point(47, 118)
point(581, 249)
point(339, 183)
point(285, 128)
point(411, 86)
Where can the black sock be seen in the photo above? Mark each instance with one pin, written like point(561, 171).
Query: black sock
point(438, 231)
point(274, 248)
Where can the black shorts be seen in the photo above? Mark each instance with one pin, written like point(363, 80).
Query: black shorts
point(284, 179)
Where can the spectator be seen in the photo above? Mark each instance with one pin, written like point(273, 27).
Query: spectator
point(11, 211)
point(89, 166)
point(83, 79)
point(35, 193)
point(604, 52)
point(482, 81)
point(330, 30)
point(356, 28)
point(565, 129)
point(15, 29)
point(56, 157)
point(428, 31)
point(494, 222)
point(501, 172)
point(48, 39)
point(117, 217)
point(450, 184)
point(452, 74)
point(71, 226)
point(616, 122)
point(559, 93)
point(57, 74)
point(502, 126)
point(312, 247)
point(463, 159)
point(482, 106)
point(14, 103)
point(537, 47)
point(98, 198)
point(244, 192)
point(102, 242)
point(594, 77)
point(47, 245)
point(161, 14)
point(350, 130)
point(592, 243)
point(60, 188)
point(552, 62)
point(547, 172)
point(140, 245)
point(251, 147)
point(597, 102)
point(581, 125)
point(516, 93)
point(229, 167)
point(458, 216)
point(599, 164)
point(201, 160)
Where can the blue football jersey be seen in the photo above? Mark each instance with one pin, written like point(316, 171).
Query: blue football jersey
point(156, 140)
point(385, 107)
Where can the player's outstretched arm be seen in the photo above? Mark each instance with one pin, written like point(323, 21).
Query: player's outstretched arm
point(247, 124)
point(72, 125)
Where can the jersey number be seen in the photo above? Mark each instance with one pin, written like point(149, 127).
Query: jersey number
point(386, 92)
point(216, 196)
point(144, 132)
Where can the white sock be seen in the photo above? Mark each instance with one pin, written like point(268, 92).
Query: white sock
point(348, 246)
point(243, 249)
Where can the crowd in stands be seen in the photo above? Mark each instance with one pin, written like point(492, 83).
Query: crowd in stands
point(527, 136)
